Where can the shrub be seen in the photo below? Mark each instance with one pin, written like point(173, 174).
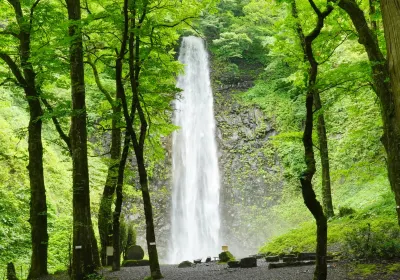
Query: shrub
point(346, 211)
point(365, 243)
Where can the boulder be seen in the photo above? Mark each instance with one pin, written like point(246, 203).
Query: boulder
point(248, 262)
point(134, 252)
point(208, 259)
point(185, 264)
point(226, 257)
point(197, 261)
point(233, 264)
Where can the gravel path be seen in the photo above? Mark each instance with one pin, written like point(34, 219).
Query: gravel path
point(220, 272)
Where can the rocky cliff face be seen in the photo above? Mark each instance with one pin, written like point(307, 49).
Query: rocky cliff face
point(251, 176)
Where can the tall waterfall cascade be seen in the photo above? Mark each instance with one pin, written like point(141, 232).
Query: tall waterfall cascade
point(195, 218)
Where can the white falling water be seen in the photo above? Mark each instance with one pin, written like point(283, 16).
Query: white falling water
point(195, 196)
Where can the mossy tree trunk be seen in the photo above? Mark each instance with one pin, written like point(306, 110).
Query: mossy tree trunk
point(26, 78)
point(85, 256)
point(384, 79)
point(308, 193)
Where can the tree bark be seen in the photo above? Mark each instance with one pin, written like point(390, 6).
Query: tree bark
point(384, 86)
point(118, 206)
point(105, 218)
point(308, 193)
point(26, 77)
point(324, 155)
point(85, 256)
point(321, 129)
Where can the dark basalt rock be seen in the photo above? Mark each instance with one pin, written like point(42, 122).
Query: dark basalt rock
point(307, 256)
point(272, 259)
point(279, 265)
point(289, 259)
point(185, 264)
point(248, 262)
point(134, 252)
point(208, 259)
point(197, 261)
point(233, 264)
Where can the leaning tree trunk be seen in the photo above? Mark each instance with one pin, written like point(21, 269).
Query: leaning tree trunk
point(85, 256)
point(386, 88)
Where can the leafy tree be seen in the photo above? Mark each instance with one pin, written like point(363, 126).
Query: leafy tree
point(383, 88)
point(306, 178)
point(25, 77)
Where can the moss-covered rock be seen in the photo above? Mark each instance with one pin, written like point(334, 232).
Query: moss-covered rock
point(185, 264)
point(226, 257)
point(134, 252)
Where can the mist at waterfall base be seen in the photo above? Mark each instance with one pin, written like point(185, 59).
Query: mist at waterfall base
point(195, 218)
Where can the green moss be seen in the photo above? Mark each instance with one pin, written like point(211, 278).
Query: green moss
point(226, 256)
point(364, 269)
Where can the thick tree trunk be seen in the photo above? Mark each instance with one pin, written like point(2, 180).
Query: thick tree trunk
point(105, 212)
point(324, 155)
point(85, 256)
point(118, 206)
point(25, 75)
point(384, 85)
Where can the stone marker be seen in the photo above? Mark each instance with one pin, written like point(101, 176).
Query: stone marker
point(279, 265)
point(272, 259)
point(185, 264)
point(233, 264)
point(248, 262)
point(134, 252)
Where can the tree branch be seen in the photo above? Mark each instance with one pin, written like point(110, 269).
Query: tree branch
point(14, 68)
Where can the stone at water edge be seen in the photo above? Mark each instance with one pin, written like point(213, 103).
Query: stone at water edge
point(248, 262)
point(208, 259)
point(134, 252)
point(233, 264)
point(185, 264)
point(197, 261)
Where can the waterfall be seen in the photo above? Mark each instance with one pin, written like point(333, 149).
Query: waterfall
point(195, 219)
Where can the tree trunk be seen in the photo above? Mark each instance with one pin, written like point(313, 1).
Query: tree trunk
point(118, 206)
point(324, 155)
point(309, 196)
point(321, 129)
point(85, 256)
point(26, 77)
point(105, 212)
point(385, 87)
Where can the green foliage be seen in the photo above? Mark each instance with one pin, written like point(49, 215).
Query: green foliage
point(372, 243)
point(345, 211)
